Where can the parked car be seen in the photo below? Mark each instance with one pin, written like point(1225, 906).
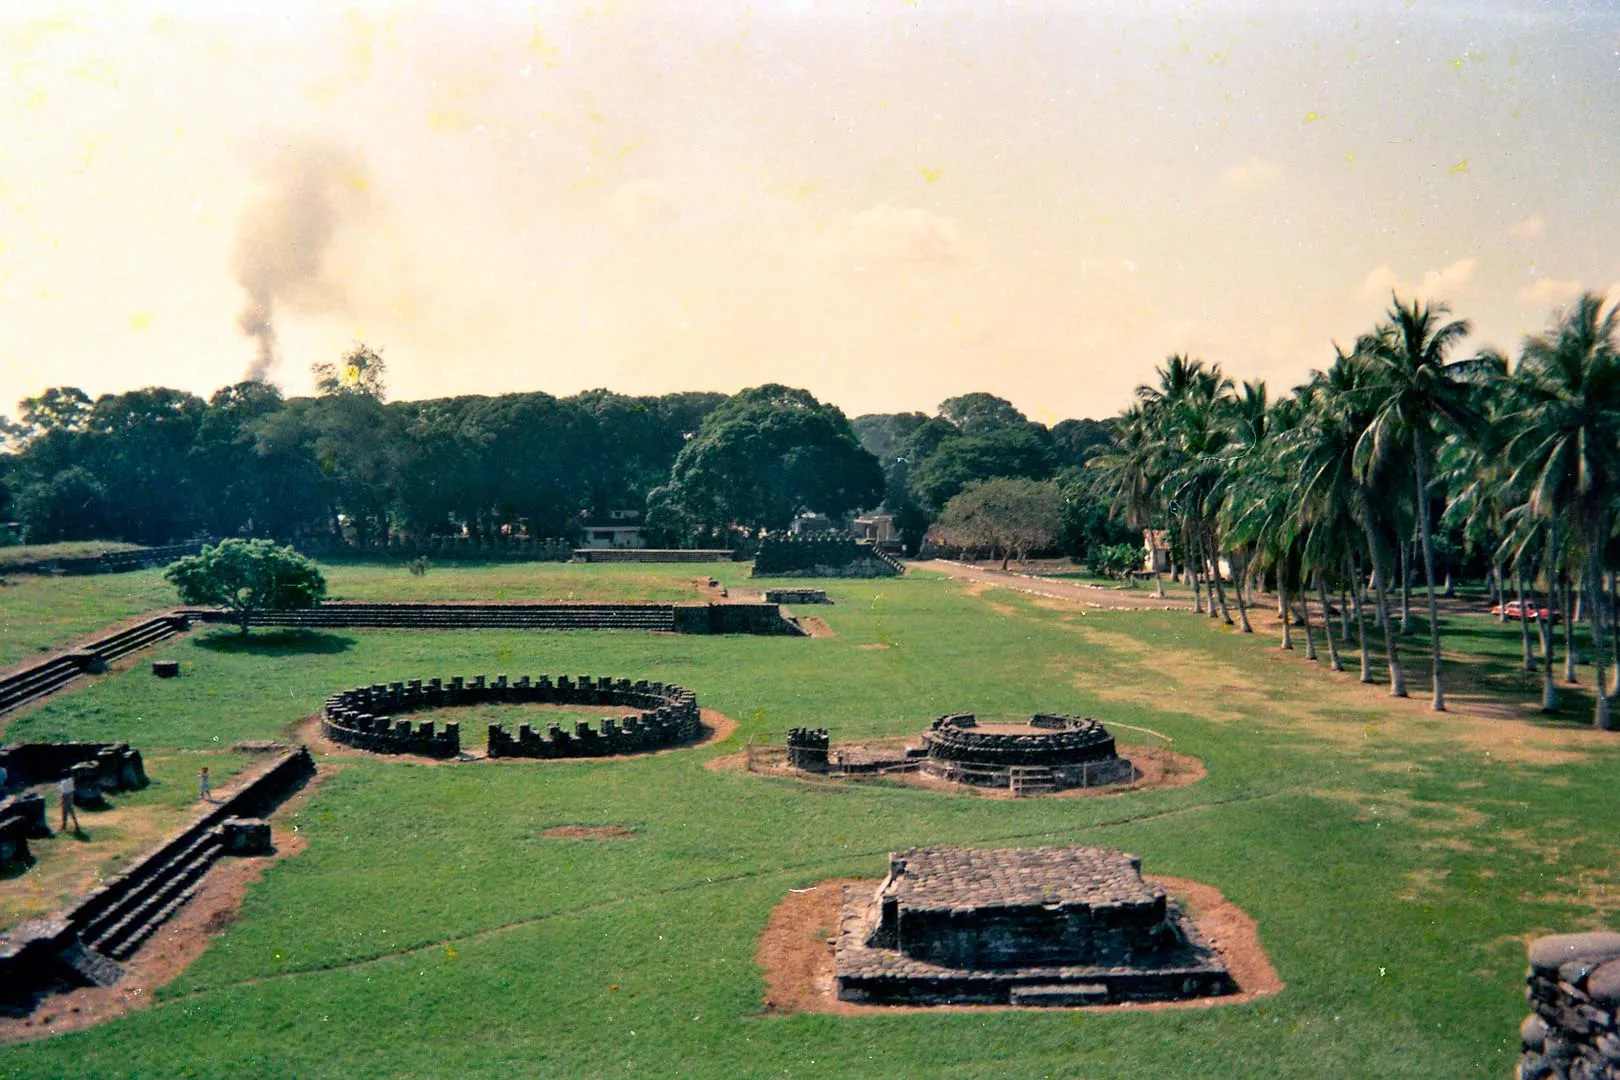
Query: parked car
point(1511, 610)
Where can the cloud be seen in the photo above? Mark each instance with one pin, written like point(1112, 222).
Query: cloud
point(887, 233)
point(641, 203)
point(1443, 284)
point(1251, 174)
point(1530, 228)
point(1550, 292)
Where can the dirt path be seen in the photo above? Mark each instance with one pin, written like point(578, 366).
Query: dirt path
point(1098, 597)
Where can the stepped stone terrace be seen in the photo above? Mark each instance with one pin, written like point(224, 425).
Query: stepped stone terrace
point(1056, 926)
point(1051, 751)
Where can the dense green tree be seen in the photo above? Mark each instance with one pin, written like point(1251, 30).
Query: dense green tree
point(1008, 516)
point(760, 458)
point(246, 577)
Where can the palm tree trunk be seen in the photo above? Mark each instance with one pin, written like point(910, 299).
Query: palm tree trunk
point(1406, 587)
point(1287, 621)
point(1524, 618)
point(1439, 702)
point(1327, 625)
point(1571, 673)
point(1361, 619)
point(1220, 589)
point(1238, 578)
point(1344, 614)
point(1305, 620)
point(1600, 659)
point(1549, 692)
point(1397, 678)
point(1501, 600)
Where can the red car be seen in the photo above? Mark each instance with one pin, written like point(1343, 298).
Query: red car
point(1511, 610)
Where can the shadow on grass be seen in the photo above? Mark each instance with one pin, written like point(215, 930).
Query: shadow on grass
point(276, 643)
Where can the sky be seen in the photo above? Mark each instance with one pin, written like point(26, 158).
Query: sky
point(885, 203)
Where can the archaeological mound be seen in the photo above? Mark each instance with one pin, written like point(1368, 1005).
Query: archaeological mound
point(1055, 926)
point(654, 715)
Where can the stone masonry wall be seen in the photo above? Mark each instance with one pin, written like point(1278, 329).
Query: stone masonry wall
point(1574, 993)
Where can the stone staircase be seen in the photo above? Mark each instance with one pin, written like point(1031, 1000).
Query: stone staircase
point(49, 676)
point(1030, 780)
point(127, 922)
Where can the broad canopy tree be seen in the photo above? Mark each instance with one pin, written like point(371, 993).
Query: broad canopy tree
point(1009, 516)
point(760, 458)
point(247, 577)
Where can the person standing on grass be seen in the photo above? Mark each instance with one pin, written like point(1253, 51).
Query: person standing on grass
point(205, 789)
point(65, 788)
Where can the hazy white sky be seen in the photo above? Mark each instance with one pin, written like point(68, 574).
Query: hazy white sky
point(886, 203)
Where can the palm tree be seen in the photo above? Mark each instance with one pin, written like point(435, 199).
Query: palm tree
point(1128, 475)
point(1567, 446)
point(1417, 390)
point(1334, 493)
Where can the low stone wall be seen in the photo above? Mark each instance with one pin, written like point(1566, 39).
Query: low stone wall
point(45, 954)
point(666, 715)
point(796, 596)
point(362, 717)
point(837, 555)
point(807, 748)
point(117, 766)
point(1574, 992)
point(116, 562)
point(22, 818)
point(957, 738)
point(669, 618)
point(653, 555)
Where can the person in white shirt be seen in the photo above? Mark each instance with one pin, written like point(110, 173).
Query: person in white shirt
point(65, 789)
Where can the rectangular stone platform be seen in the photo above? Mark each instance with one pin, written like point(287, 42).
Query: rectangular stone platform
point(1030, 926)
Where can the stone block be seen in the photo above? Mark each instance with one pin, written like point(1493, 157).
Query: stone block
point(86, 784)
point(1549, 954)
point(246, 836)
point(166, 669)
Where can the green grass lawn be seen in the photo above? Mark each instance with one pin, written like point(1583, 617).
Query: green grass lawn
point(42, 613)
point(67, 549)
point(530, 582)
point(1395, 860)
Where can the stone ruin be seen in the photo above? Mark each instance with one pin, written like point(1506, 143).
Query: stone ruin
point(1574, 995)
point(655, 715)
point(796, 596)
point(96, 769)
point(828, 554)
point(1050, 752)
point(1056, 926)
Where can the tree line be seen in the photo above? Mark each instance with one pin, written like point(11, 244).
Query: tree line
point(1398, 461)
point(159, 465)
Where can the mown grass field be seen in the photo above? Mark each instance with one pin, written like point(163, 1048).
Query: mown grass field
point(1395, 860)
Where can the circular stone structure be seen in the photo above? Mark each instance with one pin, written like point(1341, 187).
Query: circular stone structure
point(1048, 752)
point(656, 715)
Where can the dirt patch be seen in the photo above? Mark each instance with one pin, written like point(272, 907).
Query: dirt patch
point(1156, 767)
point(588, 832)
point(717, 727)
point(816, 626)
point(174, 947)
point(797, 948)
point(873, 645)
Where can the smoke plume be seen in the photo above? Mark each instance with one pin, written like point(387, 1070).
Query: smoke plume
point(283, 238)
